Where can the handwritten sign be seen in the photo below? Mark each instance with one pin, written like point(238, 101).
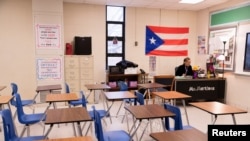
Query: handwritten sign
point(48, 36)
point(49, 69)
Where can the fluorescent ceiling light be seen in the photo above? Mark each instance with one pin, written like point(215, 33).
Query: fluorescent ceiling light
point(190, 1)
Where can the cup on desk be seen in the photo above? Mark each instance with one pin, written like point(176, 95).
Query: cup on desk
point(220, 75)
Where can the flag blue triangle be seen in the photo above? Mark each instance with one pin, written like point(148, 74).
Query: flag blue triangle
point(152, 40)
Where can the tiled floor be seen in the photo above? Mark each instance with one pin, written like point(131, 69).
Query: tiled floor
point(197, 118)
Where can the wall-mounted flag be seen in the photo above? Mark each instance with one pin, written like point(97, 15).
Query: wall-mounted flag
point(166, 41)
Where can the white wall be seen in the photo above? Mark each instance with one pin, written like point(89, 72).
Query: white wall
point(89, 20)
point(17, 52)
point(136, 21)
point(237, 85)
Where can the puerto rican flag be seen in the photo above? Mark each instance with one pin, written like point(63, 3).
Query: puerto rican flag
point(167, 41)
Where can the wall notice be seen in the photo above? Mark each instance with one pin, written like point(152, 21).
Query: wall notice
point(49, 68)
point(48, 36)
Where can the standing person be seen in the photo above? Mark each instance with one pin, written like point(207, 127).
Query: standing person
point(185, 69)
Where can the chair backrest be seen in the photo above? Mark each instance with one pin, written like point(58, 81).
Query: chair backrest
point(139, 98)
point(8, 125)
point(123, 86)
point(84, 102)
point(19, 108)
point(14, 88)
point(98, 125)
point(177, 118)
point(67, 90)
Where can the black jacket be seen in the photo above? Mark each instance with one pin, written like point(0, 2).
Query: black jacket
point(182, 70)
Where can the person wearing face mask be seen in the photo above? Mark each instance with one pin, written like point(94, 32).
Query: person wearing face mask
point(185, 69)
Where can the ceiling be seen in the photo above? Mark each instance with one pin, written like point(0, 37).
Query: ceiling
point(161, 4)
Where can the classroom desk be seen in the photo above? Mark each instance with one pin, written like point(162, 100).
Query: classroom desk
point(67, 115)
point(147, 112)
point(180, 135)
point(173, 95)
point(83, 138)
point(93, 87)
point(117, 95)
point(49, 88)
point(216, 108)
point(51, 98)
point(149, 86)
point(209, 89)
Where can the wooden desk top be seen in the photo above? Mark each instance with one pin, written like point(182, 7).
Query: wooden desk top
point(171, 95)
point(48, 87)
point(149, 111)
point(119, 95)
point(151, 85)
point(217, 108)
point(180, 135)
point(67, 115)
point(5, 99)
point(2, 87)
point(61, 97)
point(83, 138)
point(97, 86)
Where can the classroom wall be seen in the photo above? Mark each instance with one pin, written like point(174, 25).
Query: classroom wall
point(17, 50)
point(78, 18)
point(237, 85)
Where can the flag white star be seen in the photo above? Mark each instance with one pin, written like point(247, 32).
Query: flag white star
point(152, 40)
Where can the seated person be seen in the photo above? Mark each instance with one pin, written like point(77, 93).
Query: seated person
point(185, 69)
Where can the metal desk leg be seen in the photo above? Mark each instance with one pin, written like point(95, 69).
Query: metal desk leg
point(215, 118)
point(144, 130)
point(185, 109)
point(135, 129)
point(13, 119)
point(47, 133)
point(102, 97)
point(234, 120)
point(79, 128)
point(108, 109)
point(163, 125)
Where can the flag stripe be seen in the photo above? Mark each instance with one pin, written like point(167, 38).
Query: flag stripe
point(170, 30)
point(172, 47)
point(168, 53)
point(175, 42)
point(172, 36)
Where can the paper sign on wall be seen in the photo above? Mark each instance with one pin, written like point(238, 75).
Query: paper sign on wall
point(48, 36)
point(49, 68)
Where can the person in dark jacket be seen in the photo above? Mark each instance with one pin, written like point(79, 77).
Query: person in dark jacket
point(185, 69)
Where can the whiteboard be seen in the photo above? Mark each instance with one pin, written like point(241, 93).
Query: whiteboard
point(243, 28)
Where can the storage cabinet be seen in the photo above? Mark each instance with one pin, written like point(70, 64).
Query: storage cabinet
point(78, 71)
point(131, 79)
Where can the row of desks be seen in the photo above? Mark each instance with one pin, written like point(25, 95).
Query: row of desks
point(66, 115)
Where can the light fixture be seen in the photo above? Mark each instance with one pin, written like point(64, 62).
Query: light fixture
point(191, 1)
point(221, 57)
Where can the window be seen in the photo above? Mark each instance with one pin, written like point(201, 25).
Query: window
point(115, 35)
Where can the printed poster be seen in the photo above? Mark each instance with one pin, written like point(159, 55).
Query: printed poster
point(49, 68)
point(48, 36)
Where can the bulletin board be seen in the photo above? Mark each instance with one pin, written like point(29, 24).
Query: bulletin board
point(49, 68)
point(243, 28)
point(237, 19)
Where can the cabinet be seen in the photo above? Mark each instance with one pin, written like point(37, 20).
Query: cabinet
point(131, 79)
point(79, 71)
